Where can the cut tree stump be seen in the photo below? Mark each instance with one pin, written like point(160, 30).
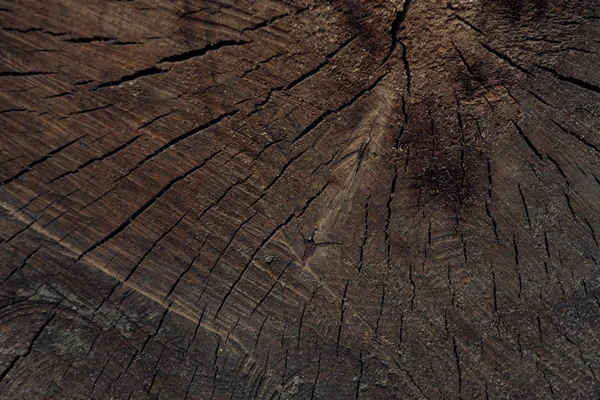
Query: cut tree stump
point(350, 199)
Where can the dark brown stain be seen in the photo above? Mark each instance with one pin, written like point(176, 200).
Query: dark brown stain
point(481, 75)
point(447, 176)
point(449, 179)
point(472, 81)
point(518, 10)
point(364, 19)
point(479, 72)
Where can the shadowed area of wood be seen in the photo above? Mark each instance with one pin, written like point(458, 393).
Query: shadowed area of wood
point(299, 200)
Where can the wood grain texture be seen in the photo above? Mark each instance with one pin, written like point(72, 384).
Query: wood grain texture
point(299, 200)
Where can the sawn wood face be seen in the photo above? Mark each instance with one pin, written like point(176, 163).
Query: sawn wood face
point(328, 200)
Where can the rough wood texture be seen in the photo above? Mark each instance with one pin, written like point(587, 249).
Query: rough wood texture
point(332, 200)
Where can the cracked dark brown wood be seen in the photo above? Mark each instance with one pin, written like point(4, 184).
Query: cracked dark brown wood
point(330, 200)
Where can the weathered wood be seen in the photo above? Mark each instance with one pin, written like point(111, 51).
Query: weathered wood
point(329, 200)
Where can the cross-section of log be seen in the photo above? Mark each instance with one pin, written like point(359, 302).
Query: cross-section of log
point(238, 199)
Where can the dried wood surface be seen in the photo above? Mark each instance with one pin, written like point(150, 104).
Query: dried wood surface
point(351, 199)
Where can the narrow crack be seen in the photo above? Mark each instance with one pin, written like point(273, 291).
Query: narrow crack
point(396, 27)
point(131, 77)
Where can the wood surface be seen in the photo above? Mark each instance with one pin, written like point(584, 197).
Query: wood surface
point(346, 199)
